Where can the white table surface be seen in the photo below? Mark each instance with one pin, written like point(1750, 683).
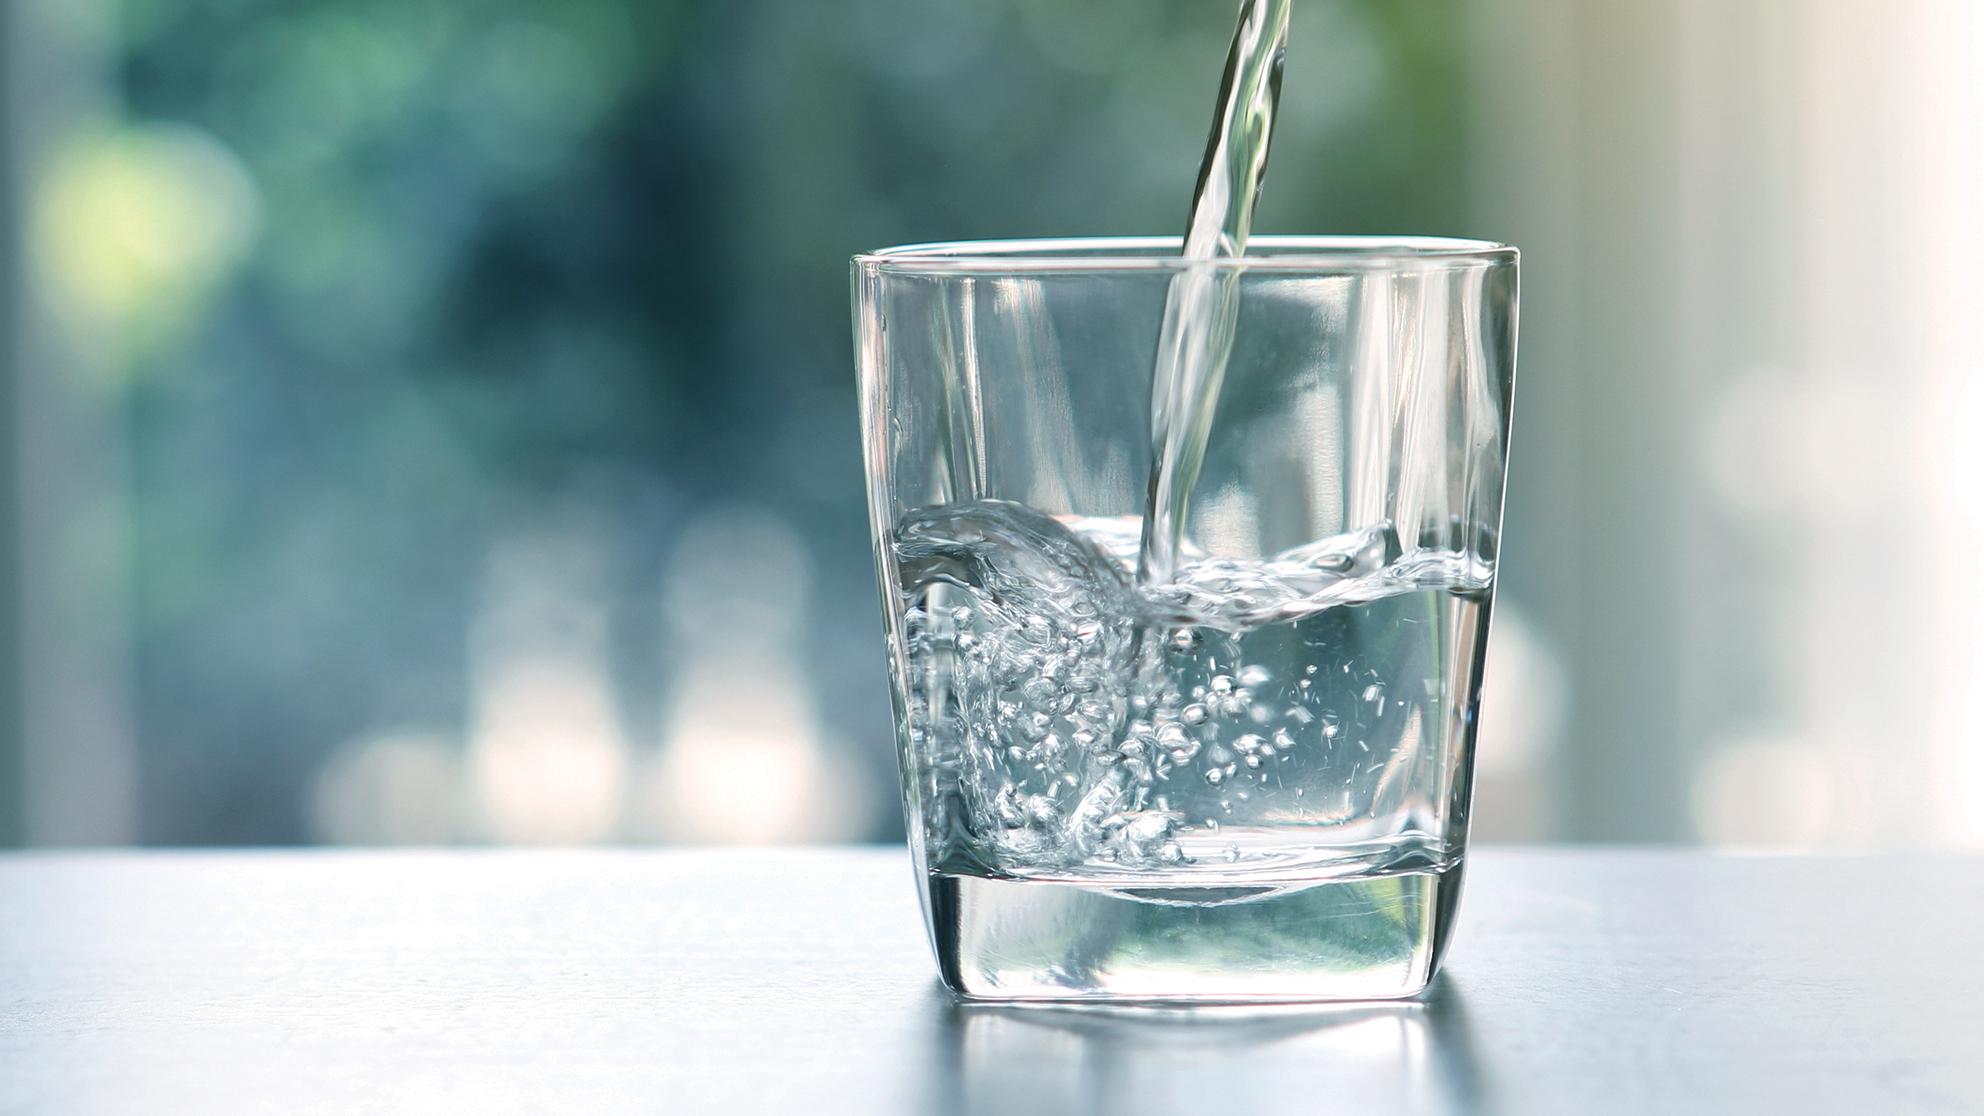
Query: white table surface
point(799, 982)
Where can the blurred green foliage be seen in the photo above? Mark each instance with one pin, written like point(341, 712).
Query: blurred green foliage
point(581, 267)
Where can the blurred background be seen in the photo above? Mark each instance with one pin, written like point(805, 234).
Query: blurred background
point(430, 421)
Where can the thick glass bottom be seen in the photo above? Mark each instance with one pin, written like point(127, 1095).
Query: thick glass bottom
point(1368, 937)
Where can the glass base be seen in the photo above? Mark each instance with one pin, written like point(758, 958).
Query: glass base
point(1373, 937)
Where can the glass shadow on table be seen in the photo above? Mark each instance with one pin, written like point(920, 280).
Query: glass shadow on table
point(1407, 1056)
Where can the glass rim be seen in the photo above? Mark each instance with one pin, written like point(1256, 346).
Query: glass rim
point(1160, 254)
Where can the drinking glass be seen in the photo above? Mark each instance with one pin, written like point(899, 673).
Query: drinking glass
point(1227, 764)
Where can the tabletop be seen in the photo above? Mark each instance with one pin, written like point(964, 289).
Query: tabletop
point(1612, 980)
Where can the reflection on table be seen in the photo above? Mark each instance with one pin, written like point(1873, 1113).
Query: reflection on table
point(1409, 1056)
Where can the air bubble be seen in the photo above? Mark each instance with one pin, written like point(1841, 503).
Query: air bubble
point(1148, 828)
point(1222, 684)
point(1193, 714)
point(1254, 675)
point(1005, 810)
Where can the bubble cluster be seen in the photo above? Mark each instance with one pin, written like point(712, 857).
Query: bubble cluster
point(1059, 716)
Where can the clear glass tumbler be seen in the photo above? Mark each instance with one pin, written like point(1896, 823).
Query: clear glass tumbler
point(1226, 763)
